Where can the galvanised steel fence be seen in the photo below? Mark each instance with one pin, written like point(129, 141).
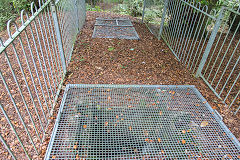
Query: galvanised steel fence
point(205, 40)
point(33, 62)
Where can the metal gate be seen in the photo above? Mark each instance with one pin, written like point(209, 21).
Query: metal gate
point(206, 41)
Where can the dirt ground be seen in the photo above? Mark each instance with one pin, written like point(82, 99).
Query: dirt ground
point(144, 61)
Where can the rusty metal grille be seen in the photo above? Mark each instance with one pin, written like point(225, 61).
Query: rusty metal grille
point(114, 28)
point(139, 122)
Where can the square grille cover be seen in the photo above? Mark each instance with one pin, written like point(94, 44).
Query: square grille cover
point(114, 28)
point(139, 122)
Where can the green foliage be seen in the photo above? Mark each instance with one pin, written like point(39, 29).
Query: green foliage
point(95, 8)
point(6, 11)
point(110, 49)
point(11, 8)
point(20, 5)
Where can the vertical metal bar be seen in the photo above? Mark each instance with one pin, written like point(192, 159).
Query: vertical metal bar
point(202, 43)
point(27, 85)
point(60, 76)
point(36, 69)
point(40, 63)
point(6, 145)
point(197, 36)
point(163, 19)
point(175, 10)
point(223, 58)
point(143, 12)
point(229, 76)
point(235, 81)
point(216, 46)
point(19, 114)
point(59, 37)
point(185, 32)
point(189, 34)
point(210, 42)
point(77, 15)
point(21, 94)
point(52, 54)
point(11, 125)
point(31, 75)
point(47, 50)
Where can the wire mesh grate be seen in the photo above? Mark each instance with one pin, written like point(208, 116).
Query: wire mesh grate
point(114, 28)
point(139, 122)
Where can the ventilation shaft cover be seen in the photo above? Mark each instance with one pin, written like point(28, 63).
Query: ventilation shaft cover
point(139, 122)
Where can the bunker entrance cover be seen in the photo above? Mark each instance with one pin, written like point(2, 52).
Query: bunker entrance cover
point(120, 28)
point(139, 122)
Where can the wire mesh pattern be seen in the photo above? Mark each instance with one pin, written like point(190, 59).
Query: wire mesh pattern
point(114, 28)
point(139, 122)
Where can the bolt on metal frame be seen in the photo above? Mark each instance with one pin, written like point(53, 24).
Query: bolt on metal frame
point(33, 65)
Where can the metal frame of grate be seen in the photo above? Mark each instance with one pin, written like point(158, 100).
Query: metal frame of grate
point(120, 28)
point(139, 122)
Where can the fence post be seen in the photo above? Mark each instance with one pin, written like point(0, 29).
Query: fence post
point(163, 18)
point(143, 12)
point(210, 42)
point(58, 36)
point(77, 16)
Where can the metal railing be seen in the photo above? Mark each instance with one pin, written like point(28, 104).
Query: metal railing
point(205, 41)
point(33, 64)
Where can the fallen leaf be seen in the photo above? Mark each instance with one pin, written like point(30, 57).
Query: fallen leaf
point(229, 156)
point(146, 139)
point(160, 113)
point(214, 107)
point(122, 119)
point(109, 108)
point(109, 98)
point(106, 123)
point(183, 131)
point(77, 156)
point(130, 128)
point(117, 116)
point(53, 157)
point(75, 146)
point(84, 126)
point(183, 141)
point(159, 139)
point(129, 106)
point(197, 105)
point(162, 151)
point(204, 123)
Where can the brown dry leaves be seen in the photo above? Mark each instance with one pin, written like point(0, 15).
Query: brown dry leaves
point(204, 123)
